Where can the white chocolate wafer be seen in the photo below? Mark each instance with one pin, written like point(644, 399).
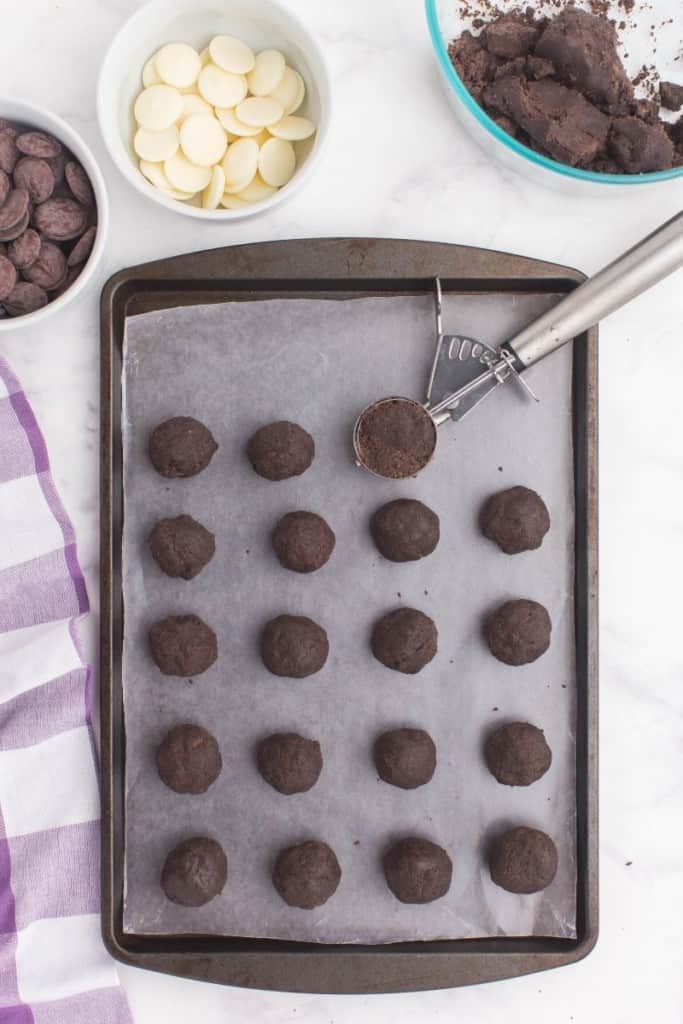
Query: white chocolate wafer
point(232, 124)
point(157, 107)
point(155, 175)
point(176, 193)
point(194, 104)
point(257, 190)
point(276, 162)
point(178, 64)
point(213, 193)
point(231, 202)
point(156, 146)
point(292, 128)
point(150, 75)
point(221, 88)
point(287, 91)
point(154, 172)
point(203, 140)
point(186, 176)
point(240, 164)
point(267, 73)
point(299, 96)
point(231, 54)
point(259, 111)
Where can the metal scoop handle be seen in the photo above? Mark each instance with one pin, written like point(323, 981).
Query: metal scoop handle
point(637, 270)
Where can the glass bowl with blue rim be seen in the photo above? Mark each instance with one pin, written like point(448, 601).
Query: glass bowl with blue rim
point(443, 25)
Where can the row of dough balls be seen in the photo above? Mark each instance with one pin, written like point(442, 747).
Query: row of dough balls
point(522, 860)
point(219, 125)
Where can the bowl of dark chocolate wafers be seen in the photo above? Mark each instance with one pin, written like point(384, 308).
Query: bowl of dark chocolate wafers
point(585, 93)
point(53, 213)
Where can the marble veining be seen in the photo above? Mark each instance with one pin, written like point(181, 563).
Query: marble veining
point(398, 165)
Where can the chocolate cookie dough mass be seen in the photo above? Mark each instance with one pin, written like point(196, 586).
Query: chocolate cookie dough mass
point(516, 520)
point(181, 447)
point(405, 530)
point(395, 438)
point(306, 875)
point(417, 871)
point(405, 757)
point(523, 860)
point(289, 763)
point(188, 759)
point(405, 640)
point(302, 541)
point(281, 450)
point(517, 754)
point(557, 84)
point(183, 645)
point(518, 632)
point(294, 646)
point(181, 546)
point(194, 872)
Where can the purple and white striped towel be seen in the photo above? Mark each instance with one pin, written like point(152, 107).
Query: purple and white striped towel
point(53, 966)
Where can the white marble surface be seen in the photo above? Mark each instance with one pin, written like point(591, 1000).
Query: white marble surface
point(398, 166)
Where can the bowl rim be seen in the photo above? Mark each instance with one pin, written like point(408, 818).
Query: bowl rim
point(220, 216)
point(65, 133)
point(468, 101)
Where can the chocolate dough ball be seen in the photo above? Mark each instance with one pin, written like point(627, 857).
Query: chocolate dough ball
point(303, 541)
point(517, 754)
point(417, 871)
point(280, 450)
point(523, 860)
point(405, 757)
point(183, 645)
point(188, 759)
point(516, 520)
point(294, 646)
point(288, 762)
point(395, 438)
point(182, 546)
point(195, 871)
point(181, 447)
point(405, 530)
point(306, 875)
point(518, 632)
point(405, 640)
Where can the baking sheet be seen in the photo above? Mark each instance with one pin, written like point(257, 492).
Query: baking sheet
point(239, 365)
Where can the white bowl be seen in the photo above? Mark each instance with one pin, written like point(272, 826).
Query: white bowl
point(32, 116)
point(260, 23)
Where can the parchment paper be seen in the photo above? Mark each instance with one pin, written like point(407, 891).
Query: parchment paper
point(237, 366)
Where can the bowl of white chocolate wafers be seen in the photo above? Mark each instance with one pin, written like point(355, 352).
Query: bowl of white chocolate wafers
point(216, 112)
